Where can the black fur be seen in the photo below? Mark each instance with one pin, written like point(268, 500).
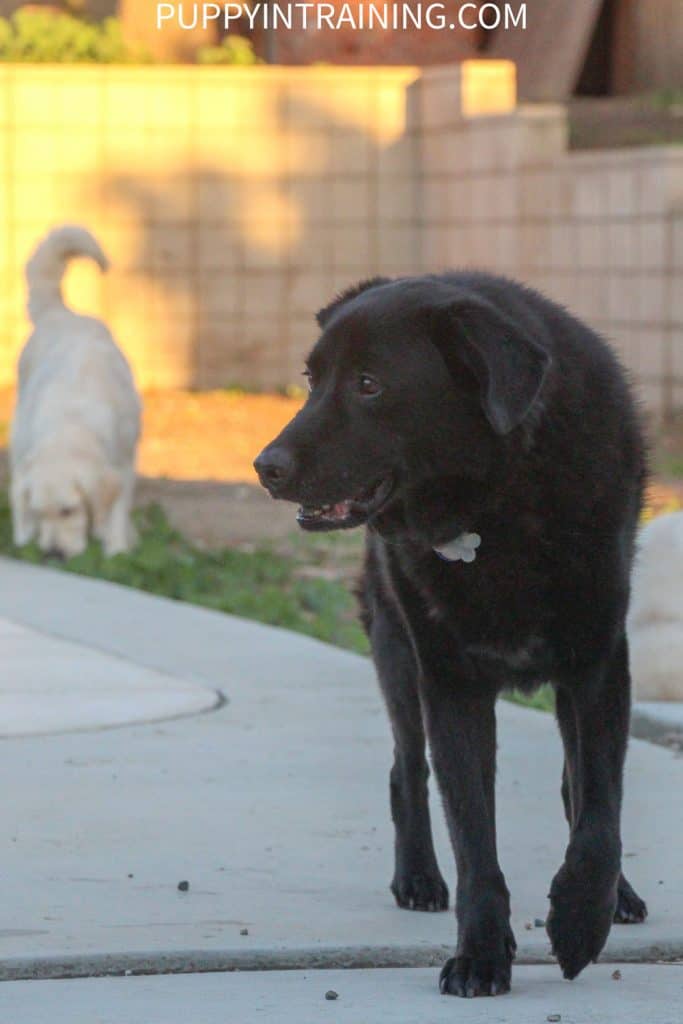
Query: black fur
point(497, 413)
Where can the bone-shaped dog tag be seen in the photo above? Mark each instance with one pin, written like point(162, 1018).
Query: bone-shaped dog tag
point(462, 549)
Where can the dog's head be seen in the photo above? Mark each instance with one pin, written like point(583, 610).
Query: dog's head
point(63, 499)
point(413, 382)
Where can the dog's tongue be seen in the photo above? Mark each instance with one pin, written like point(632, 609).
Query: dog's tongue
point(336, 513)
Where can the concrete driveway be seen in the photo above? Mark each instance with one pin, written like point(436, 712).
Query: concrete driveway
point(262, 782)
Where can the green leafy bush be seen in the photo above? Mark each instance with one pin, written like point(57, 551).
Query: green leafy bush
point(235, 50)
point(38, 37)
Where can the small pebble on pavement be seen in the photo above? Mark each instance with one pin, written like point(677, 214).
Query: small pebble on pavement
point(331, 994)
point(183, 886)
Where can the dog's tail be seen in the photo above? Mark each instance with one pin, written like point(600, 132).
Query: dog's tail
point(45, 268)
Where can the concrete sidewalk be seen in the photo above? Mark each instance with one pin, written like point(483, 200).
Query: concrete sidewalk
point(641, 995)
point(51, 686)
point(659, 721)
point(274, 807)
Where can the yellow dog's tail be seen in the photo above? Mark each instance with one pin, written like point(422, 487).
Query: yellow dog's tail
point(45, 268)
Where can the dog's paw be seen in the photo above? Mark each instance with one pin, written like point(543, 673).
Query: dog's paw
point(420, 890)
point(469, 976)
point(579, 920)
point(482, 965)
point(630, 908)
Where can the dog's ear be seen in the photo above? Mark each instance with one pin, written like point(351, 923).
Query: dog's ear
point(323, 315)
point(507, 362)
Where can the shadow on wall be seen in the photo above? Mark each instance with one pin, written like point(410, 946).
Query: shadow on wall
point(233, 203)
point(223, 255)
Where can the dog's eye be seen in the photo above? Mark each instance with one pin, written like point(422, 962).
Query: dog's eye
point(309, 378)
point(368, 386)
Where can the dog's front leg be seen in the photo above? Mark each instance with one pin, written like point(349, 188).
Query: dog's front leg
point(417, 882)
point(583, 895)
point(462, 737)
point(23, 523)
point(630, 908)
point(459, 715)
point(117, 531)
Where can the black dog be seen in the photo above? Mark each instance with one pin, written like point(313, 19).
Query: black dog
point(490, 443)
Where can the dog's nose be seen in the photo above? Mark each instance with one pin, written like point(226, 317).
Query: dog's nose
point(274, 467)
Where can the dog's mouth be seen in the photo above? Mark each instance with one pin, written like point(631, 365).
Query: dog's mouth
point(342, 515)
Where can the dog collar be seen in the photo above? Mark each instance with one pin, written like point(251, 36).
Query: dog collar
point(462, 549)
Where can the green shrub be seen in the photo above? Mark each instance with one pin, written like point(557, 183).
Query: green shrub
point(38, 37)
point(235, 50)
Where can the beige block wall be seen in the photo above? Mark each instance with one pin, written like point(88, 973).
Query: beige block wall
point(599, 231)
point(233, 204)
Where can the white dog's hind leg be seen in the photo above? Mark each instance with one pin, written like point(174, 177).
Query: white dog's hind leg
point(118, 534)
